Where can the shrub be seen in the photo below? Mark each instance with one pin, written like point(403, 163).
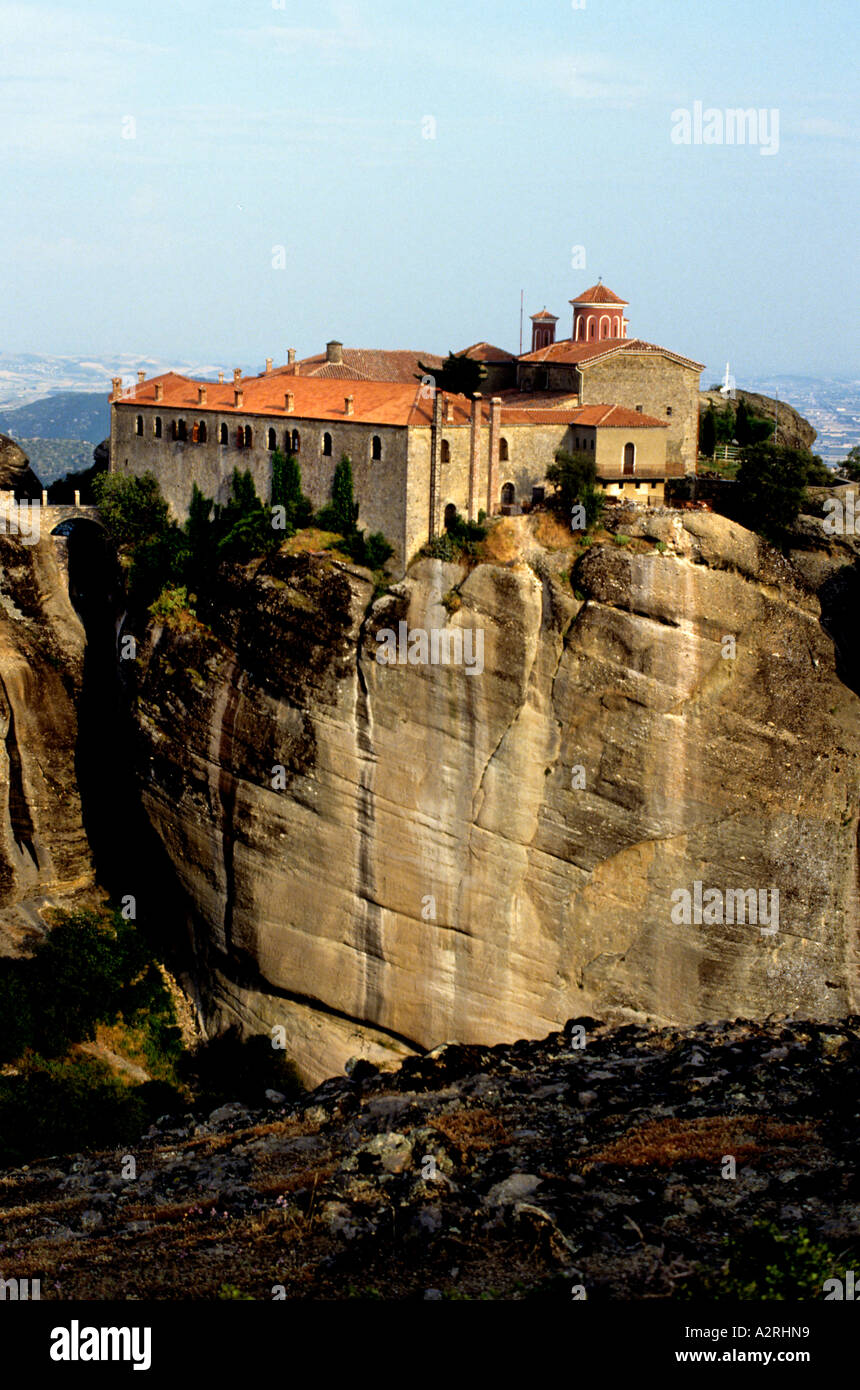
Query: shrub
point(461, 539)
point(171, 606)
point(55, 1107)
point(766, 1263)
point(228, 1066)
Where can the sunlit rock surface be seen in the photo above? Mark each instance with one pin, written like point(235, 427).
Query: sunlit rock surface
point(479, 856)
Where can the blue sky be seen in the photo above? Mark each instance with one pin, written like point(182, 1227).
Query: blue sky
point(301, 124)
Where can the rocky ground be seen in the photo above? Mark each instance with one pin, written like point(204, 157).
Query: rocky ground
point(507, 1172)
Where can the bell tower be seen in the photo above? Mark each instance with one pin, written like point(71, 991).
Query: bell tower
point(598, 314)
point(543, 329)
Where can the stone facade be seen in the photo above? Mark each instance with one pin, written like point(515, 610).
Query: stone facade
point(379, 483)
point(662, 387)
point(484, 460)
point(418, 454)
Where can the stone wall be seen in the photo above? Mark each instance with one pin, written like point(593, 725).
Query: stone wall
point(379, 484)
point(657, 384)
point(649, 459)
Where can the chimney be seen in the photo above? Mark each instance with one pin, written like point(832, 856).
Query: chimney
point(141, 378)
point(449, 411)
point(268, 365)
point(493, 467)
point(221, 377)
point(290, 402)
point(334, 352)
point(237, 374)
point(117, 386)
point(238, 399)
point(291, 356)
point(201, 395)
point(474, 454)
point(350, 405)
point(159, 391)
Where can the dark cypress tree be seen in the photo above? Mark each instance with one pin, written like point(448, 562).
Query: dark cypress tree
point(708, 434)
point(344, 506)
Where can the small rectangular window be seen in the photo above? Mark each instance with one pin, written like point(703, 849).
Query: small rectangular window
point(638, 410)
point(668, 410)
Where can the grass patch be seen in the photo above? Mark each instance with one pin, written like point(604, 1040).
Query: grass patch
point(663, 1143)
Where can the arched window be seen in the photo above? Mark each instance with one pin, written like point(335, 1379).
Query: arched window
point(376, 448)
point(508, 494)
point(181, 431)
point(297, 442)
point(629, 457)
point(590, 328)
point(503, 450)
point(156, 427)
point(202, 434)
point(224, 434)
point(138, 425)
point(326, 445)
point(450, 516)
point(195, 435)
point(603, 333)
point(271, 442)
point(240, 438)
point(445, 452)
point(616, 326)
point(249, 436)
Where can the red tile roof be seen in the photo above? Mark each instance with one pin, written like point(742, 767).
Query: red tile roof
point(588, 416)
point(540, 400)
point(486, 352)
point(617, 417)
point(374, 402)
point(568, 352)
point(598, 294)
point(316, 398)
point(367, 364)
point(545, 314)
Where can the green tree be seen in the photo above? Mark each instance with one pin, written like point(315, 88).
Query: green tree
point(742, 427)
point(244, 526)
point(725, 422)
point(771, 488)
point(132, 508)
point(343, 505)
point(817, 472)
point(574, 477)
point(851, 466)
point(459, 374)
point(199, 533)
point(287, 490)
point(708, 433)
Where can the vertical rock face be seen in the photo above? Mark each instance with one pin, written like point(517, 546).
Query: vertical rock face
point(387, 855)
point(44, 856)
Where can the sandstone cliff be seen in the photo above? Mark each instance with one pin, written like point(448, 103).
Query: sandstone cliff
point(480, 856)
point(44, 855)
point(16, 475)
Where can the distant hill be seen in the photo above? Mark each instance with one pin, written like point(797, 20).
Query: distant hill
point(83, 415)
point(54, 458)
point(792, 430)
point(27, 377)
